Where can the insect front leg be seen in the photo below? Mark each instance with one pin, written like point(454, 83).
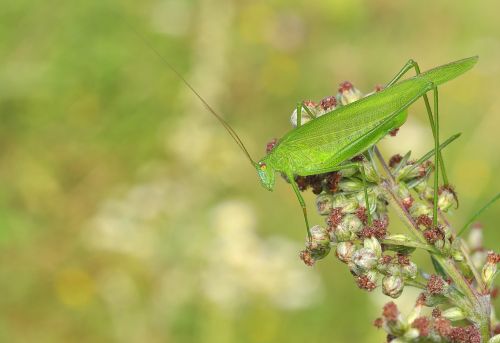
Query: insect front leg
point(411, 64)
point(295, 187)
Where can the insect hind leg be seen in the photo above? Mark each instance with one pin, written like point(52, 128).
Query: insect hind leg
point(411, 64)
point(437, 160)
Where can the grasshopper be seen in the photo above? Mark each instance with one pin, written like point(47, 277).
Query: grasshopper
point(325, 143)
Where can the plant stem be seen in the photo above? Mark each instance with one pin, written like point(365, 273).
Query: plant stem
point(479, 307)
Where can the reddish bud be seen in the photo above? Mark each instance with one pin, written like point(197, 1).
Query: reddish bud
point(328, 103)
point(310, 103)
point(270, 145)
point(442, 326)
point(306, 257)
point(390, 312)
point(494, 293)
point(493, 258)
point(436, 285)
point(403, 260)
point(424, 220)
point(345, 86)
point(422, 325)
point(334, 218)
point(434, 234)
point(361, 214)
point(421, 300)
point(466, 334)
point(436, 313)
point(386, 259)
point(407, 202)
point(394, 160)
point(378, 323)
point(365, 283)
point(332, 182)
point(394, 132)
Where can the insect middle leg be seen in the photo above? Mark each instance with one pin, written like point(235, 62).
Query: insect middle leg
point(300, 106)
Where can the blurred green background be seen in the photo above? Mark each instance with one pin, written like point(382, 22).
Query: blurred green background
point(127, 214)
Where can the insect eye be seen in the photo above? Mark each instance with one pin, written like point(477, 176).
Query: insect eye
point(262, 166)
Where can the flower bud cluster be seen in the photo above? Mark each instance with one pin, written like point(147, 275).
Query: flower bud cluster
point(417, 198)
point(354, 203)
point(419, 328)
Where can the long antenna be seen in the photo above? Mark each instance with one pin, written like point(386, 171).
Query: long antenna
point(228, 128)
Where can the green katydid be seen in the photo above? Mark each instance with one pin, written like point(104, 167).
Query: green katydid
point(325, 143)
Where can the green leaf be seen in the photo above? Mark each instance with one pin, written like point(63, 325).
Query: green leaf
point(478, 213)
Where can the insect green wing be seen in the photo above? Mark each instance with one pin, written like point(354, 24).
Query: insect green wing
point(339, 135)
point(449, 71)
point(331, 139)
